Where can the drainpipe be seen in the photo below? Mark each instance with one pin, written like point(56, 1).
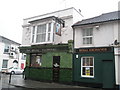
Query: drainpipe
point(73, 54)
point(73, 37)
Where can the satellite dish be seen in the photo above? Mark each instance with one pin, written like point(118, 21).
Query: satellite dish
point(116, 42)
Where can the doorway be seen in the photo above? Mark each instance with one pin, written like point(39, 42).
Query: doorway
point(108, 74)
point(56, 68)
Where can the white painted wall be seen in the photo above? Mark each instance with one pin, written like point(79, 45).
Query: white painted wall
point(105, 36)
point(70, 16)
point(7, 56)
point(1, 54)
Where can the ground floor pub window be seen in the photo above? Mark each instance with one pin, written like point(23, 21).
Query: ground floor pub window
point(36, 60)
point(87, 66)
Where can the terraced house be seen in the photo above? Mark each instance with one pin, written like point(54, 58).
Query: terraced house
point(10, 55)
point(48, 42)
point(97, 51)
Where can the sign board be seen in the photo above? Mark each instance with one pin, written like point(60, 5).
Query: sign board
point(94, 49)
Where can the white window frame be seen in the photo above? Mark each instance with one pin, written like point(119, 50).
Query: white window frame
point(87, 76)
point(46, 38)
point(6, 64)
point(6, 47)
point(87, 36)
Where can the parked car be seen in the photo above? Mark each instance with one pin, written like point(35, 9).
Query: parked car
point(13, 70)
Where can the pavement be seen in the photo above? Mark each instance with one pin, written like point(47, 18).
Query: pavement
point(18, 81)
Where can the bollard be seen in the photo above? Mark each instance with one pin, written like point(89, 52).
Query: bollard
point(23, 74)
point(10, 78)
point(0, 75)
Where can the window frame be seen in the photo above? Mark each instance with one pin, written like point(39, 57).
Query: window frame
point(86, 34)
point(34, 41)
point(35, 62)
point(87, 76)
point(7, 47)
point(6, 64)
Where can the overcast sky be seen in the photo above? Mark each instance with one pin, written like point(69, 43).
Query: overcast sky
point(12, 12)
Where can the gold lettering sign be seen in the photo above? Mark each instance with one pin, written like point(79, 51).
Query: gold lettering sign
point(102, 49)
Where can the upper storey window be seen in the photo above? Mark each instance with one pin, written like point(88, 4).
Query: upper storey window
point(42, 33)
point(43, 30)
point(6, 48)
point(87, 36)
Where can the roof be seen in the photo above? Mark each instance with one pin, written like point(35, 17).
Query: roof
point(52, 13)
point(46, 18)
point(50, 17)
point(4, 39)
point(111, 16)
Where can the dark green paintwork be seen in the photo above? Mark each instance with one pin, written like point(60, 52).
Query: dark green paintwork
point(65, 59)
point(47, 62)
point(98, 68)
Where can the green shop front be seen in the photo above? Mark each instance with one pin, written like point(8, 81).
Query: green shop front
point(94, 66)
point(52, 63)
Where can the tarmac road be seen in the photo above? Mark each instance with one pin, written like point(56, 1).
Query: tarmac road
point(18, 83)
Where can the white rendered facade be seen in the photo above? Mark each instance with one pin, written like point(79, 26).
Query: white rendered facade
point(9, 54)
point(104, 34)
point(69, 16)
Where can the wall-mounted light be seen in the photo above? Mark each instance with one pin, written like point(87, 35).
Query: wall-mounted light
point(76, 56)
point(97, 27)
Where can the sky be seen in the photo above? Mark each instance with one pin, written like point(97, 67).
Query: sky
point(12, 12)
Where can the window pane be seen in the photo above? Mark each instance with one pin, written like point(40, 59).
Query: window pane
point(43, 37)
point(36, 60)
point(41, 28)
point(32, 38)
point(91, 32)
point(40, 38)
point(87, 71)
point(49, 27)
point(6, 48)
point(90, 40)
point(83, 72)
point(84, 40)
point(87, 32)
point(33, 30)
point(87, 41)
point(48, 36)
point(91, 61)
point(83, 61)
point(91, 71)
point(83, 31)
point(5, 63)
point(87, 61)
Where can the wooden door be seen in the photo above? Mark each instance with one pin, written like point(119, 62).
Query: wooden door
point(56, 68)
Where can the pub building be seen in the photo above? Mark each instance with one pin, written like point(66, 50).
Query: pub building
point(96, 55)
point(48, 43)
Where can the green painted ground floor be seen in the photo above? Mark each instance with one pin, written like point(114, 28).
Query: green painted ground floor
point(95, 65)
point(86, 66)
point(46, 74)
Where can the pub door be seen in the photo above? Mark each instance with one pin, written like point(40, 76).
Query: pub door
point(108, 75)
point(56, 68)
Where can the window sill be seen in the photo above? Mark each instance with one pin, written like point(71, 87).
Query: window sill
point(41, 43)
point(87, 77)
point(89, 45)
point(5, 52)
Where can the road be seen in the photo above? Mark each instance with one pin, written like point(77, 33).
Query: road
point(4, 83)
point(18, 83)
